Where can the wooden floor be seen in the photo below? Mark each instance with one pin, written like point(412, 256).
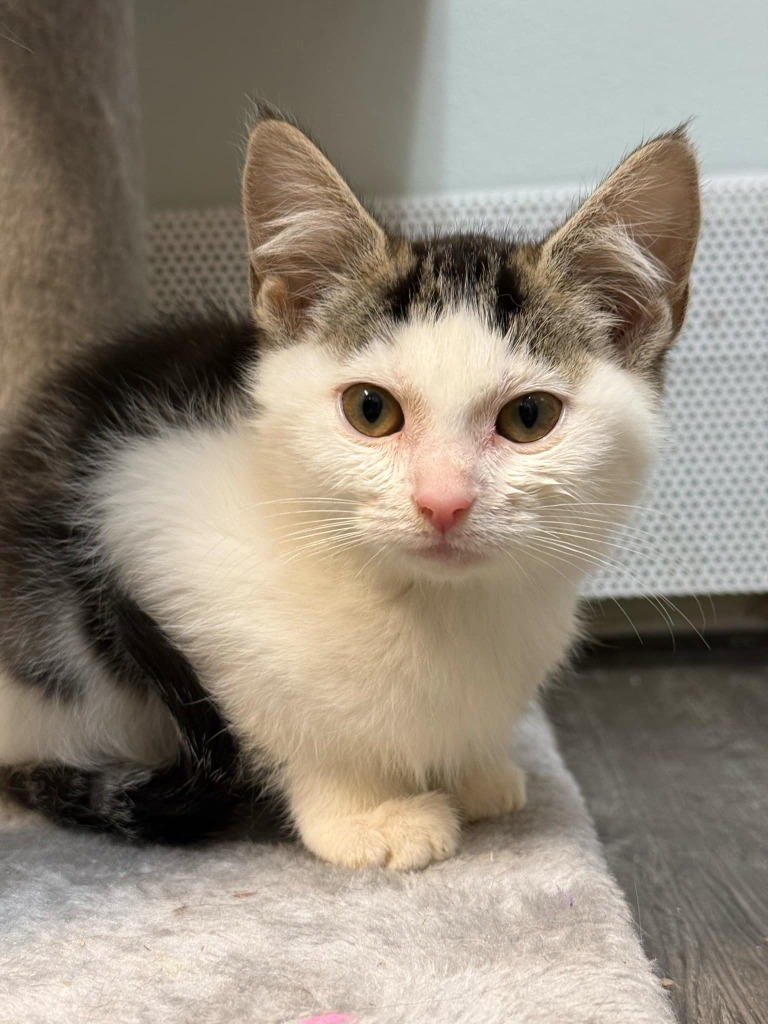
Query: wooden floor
point(671, 751)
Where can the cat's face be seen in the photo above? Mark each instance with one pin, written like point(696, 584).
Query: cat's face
point(466, 404)
point(489, 456)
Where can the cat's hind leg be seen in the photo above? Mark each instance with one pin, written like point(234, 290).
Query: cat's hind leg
point(105, 721)
point(156, 762)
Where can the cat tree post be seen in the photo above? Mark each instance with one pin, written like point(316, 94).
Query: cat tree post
point(71, 198)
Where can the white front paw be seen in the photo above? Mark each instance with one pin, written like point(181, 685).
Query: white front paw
point(403, 834)
point(491, 793)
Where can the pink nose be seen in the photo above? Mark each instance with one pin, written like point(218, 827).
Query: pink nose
point(443, 510)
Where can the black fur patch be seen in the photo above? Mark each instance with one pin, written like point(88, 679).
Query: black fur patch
point(399, 298)
point(509, 297)
point(187, 372)
point(465, 268)
point(52, 678)
point(206, 737)
point(463, 260)
point(97, 598)
point(174, 374)
point(172, 804)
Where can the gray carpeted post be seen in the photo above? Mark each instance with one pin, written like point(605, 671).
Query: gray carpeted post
point(71, 198)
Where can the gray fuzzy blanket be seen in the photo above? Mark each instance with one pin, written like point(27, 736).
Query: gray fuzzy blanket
point(524, 926)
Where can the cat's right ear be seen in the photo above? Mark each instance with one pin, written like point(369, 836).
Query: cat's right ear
point(306, 229)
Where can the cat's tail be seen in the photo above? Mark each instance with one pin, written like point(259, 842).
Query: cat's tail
point(175, 803)
point(196, 794)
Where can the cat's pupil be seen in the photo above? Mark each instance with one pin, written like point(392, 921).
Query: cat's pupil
point(372, 406)
point(529, 411)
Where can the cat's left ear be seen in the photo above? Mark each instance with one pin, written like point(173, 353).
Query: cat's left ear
point(306, 229)
point(628, 250)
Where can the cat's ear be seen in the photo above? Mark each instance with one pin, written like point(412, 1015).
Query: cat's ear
point(306, 229)
point(629, 248)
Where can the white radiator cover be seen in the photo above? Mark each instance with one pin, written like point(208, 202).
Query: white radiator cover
point(706, 522)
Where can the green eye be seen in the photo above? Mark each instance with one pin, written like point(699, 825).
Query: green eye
point(529, 417)
point(372, 410)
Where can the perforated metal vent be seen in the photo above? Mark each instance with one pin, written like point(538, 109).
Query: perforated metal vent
point(705, 526)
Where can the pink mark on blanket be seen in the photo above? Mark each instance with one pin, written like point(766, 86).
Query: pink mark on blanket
point(329, 1018)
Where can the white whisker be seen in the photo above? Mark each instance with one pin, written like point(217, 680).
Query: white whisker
point(580, 569)
point(611, 564)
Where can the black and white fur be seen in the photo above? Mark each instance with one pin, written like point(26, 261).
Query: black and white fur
point(209, 581)
point(93, 666)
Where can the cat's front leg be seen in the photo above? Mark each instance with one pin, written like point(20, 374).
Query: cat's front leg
point(348, 820)
point(488, 791)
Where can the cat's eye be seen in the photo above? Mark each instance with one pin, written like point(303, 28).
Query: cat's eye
point(529, 417)
point(371, 410)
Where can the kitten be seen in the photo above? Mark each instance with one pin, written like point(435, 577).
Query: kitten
point(340, 548)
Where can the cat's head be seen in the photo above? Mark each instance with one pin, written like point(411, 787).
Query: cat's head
point(463, 401)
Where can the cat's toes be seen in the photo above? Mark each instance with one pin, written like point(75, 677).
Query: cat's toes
point(490, 794)
point(419, 829)
point(403, 834)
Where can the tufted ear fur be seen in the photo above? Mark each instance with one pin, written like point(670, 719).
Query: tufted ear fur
point(628, 250)
point(306, 229)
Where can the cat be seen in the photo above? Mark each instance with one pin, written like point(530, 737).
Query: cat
point(333, 552)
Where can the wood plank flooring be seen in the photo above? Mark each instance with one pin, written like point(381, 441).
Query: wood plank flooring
point(671, 751)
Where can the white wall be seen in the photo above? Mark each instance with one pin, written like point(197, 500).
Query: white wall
point(418, 96)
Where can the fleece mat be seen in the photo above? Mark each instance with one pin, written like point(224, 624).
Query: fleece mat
point(524, 926)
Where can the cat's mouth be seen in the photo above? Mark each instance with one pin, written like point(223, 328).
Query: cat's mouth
point(446, 553)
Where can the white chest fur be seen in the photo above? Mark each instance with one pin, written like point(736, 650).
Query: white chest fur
point(311, 652)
